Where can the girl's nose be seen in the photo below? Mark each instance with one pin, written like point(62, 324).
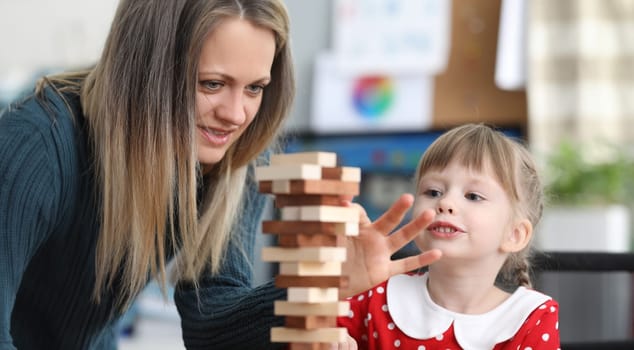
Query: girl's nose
point(444, 207)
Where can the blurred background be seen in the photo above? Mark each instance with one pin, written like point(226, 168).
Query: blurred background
point(379, 80)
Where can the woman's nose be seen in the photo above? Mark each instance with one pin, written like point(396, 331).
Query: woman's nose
point(233, 110)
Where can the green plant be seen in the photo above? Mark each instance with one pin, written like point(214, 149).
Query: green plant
point(574, 179)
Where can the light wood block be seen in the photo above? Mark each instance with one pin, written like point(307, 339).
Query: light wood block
point(320, 187)
point(279, 186)
point(328, 268)
point(312, 295)
point(286, 308)
point(310, 322)
point(288, 172)
point(325, 159)
point(310, 227)
point(322, 335)
point(310, 240)
point(284, 200)
point(324, 213)
point(350, 174)
point(286, 281)
point(313, 254)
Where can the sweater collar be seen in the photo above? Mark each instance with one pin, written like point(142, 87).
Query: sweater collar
point(408, 293)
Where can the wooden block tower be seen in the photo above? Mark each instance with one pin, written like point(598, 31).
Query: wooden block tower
point(311, 245)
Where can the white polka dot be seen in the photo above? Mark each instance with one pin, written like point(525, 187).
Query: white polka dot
point(364, 337)
point(545, 336)
point(360, 297)
point(518, 347)
point(369, 317)
point(528, 348)
point(538, 322)
point(439, 337)
point(365, 322)
point(384, 307)
point(553, 309)
point(370, 293)
point(557, 325)
point(350, 314)
point(542, 307)
point(375, 335)
point(422, 347)
point(390, 326)
point(397, 343)
point(380, 290)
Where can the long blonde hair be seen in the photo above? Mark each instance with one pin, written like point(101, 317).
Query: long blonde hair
point(139, 101)
point(478, 145)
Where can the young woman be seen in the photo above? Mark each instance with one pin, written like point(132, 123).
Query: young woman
point(108, 174)
point(486, 195)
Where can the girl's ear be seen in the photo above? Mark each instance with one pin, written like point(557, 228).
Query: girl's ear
point(518, 238)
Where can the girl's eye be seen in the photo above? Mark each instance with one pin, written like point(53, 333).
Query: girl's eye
point(474, 197)
point(211, 84)
point(432, 193)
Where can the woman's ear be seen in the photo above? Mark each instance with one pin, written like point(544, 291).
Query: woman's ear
point(519, 237)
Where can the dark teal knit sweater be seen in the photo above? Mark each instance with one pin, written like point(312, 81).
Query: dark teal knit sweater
point(48, 235)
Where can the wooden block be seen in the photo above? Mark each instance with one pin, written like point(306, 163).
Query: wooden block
point(324, 213)
point(279, 186)
point(310, 322)
point(322, 187)
point(284, 200)
point(328, 268)
point(285, 281)
point(310, 240)
point(310, 346)
point(312, 295)
point(314, 254)
point(310, 227)
point(342, 173)
point(322, 335)
point(288, 172)
point(325, 159)
point(286, 308)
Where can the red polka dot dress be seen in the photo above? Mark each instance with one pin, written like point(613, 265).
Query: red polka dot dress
point(399, 314)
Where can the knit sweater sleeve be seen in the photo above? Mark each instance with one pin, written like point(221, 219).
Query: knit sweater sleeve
point(28, 192)
point(228, 312)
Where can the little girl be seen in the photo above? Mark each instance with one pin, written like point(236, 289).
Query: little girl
point(487, 198)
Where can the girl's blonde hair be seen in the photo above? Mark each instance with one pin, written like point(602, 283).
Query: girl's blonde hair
point(139, 102)
point(476, 146)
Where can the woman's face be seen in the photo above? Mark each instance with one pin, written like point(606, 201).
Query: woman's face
point(234, 68)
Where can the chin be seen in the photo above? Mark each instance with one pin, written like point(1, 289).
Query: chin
point(209, 160)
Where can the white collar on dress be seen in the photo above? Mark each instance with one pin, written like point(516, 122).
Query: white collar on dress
point(419, 317)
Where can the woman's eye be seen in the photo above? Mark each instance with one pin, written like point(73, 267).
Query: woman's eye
point(255, 89)
point(474, 197)
point(211, 84)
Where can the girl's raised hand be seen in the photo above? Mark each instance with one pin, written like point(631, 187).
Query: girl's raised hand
point(369, 254)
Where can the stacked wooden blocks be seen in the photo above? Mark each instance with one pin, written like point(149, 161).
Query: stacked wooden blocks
point(308, 188)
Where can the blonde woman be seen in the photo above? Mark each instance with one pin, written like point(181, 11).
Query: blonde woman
point(108, 174)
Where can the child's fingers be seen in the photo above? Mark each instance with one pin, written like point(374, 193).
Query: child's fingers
point(349, 344)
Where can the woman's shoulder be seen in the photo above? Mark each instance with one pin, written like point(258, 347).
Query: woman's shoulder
point(40, 111)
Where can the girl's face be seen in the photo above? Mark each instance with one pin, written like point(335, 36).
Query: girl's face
point(234, 68)
point(473, 213)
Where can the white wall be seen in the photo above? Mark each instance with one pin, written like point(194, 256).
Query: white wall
point(38, 34)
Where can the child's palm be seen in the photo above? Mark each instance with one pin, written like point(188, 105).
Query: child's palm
point(369, 253)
